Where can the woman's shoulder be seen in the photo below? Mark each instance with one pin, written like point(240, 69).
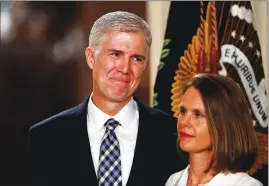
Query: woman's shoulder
point(239, 178)
point(245, 179)
point(175, 178)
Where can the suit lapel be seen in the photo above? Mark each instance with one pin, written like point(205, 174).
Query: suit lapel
point(138, 171)
point(86, 167)
point(140, 168)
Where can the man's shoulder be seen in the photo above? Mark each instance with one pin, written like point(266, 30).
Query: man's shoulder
point(55, 121)
point(161, 121)
point(156, 112)
point(162, 113)
point(58, 119)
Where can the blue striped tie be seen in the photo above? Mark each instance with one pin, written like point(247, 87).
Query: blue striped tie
point(109, 171)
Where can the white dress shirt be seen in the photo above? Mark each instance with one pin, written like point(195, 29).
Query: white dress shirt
point(126, 133)
point(240, 178)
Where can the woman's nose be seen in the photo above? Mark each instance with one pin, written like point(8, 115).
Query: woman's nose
point(184, 121)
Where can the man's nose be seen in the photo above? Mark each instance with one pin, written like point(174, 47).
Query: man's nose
point(124, 65)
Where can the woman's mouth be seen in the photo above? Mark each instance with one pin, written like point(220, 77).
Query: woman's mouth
point(185, 135)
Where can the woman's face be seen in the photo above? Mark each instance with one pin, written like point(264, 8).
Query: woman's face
point(192, 123)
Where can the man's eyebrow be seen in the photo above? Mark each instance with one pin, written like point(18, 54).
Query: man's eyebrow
point(134, 55)
point(115, 50)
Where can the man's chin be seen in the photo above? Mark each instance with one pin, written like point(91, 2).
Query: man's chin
point(120, 97)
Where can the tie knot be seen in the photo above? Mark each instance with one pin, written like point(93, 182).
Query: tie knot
point(111, 124)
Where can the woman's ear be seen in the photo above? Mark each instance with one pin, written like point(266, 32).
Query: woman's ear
point(90, 57)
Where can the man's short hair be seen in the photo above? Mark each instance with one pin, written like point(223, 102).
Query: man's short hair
point(118, 21)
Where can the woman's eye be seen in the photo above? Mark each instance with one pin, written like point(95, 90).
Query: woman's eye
point(198, 115)
point(182, 111)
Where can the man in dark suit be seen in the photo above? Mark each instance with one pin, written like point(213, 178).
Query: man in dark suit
point(111, 138)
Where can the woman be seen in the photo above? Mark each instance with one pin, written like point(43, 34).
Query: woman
point(216, 134)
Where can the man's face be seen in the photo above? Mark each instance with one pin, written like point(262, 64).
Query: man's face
point(118, 66)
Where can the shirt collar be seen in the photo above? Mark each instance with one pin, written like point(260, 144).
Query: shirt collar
point(124, 116)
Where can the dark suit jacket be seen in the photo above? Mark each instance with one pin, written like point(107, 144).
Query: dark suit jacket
point(60, 152)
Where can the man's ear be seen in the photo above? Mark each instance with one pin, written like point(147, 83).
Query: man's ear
point(90, 57)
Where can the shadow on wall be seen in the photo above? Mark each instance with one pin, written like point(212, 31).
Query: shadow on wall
point(37, 81)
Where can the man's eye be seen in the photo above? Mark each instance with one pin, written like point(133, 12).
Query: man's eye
point(116, 54)
point(138, 59)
